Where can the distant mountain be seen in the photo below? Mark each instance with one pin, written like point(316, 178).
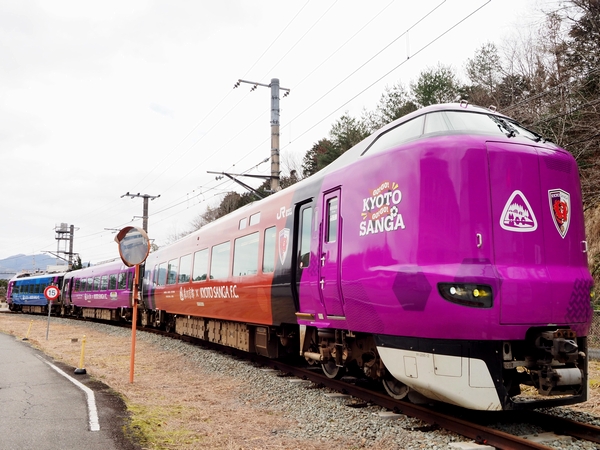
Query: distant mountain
point(18, 263)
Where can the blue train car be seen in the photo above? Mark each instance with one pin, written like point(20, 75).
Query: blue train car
point(26, 291)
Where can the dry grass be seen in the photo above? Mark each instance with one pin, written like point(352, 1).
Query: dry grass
point(174, 404)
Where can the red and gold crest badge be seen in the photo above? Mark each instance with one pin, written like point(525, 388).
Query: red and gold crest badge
point(560, 208)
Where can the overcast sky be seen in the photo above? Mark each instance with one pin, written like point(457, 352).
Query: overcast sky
point(102, 98)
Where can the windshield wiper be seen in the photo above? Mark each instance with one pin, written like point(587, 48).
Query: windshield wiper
point(505, 127)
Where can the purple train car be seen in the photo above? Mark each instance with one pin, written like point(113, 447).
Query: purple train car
point(25, 291)
point(444, 255)
point(99, 292)
point(455, 239)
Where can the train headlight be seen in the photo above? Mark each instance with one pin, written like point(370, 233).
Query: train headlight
point(474, 295)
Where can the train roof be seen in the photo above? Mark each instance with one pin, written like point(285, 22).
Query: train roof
point(359, 149)
point(351, 155)
point(37, 275)
point(107, 267)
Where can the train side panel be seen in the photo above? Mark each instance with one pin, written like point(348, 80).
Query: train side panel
point(105, 286)
point(400, 231)
point(240, 257)
point(26, 292)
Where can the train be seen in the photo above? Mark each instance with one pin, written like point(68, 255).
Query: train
point(444, 256)
point(25, 291)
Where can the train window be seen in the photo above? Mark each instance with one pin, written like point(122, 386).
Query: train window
point(112, 282)
point(130, 278)
point(104, 283)
point(162, 274)
point(172, 269)
point(76, 285)
point(147, 279)
point(436, 123)
point(200, 265)
point(80, 285)
point(269, 250)
point(96, 283)
point(255, 219)
point(122, 280)
point(155, 275)
point(90, 284)
point(185, 268)
point(444, 121)
point(332, 219)
point(402, 133)
point(219, 262)
point(305, 232)
point(464, 121)
point(245, 255)
point(36, 288)
point(243, 223)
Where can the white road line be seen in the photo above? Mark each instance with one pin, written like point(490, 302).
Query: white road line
point(91, 399)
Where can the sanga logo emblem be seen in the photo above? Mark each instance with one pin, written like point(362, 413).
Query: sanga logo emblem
point(380, 211)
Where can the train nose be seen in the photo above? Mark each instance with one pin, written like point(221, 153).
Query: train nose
point(536, 241)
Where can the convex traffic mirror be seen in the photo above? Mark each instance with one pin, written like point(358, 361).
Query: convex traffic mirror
point(134, 245)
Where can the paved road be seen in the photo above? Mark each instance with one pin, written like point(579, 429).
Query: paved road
point(42, 409)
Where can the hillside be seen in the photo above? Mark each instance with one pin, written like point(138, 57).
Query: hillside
point(17, 263)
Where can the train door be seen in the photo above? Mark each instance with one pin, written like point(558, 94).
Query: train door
point(329, 255)
point(65, 295)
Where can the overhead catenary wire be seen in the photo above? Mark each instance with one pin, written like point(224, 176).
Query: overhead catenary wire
point(395, 68)
point(251, 153)
point(363, 90)
point(439, 36)
point(209, 114)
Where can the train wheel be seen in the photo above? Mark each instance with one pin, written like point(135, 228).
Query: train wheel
point(395, 389)
point(332, 370)
point(170, 324)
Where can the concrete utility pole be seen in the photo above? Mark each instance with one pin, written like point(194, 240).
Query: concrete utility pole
point(275, 88)
point(145, 214)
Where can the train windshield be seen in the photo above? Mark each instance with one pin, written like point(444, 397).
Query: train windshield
point(449, 122)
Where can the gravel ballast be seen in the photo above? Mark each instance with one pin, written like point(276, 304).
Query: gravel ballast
point(211, 400)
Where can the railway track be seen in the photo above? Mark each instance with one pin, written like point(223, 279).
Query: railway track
point(470, 424)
